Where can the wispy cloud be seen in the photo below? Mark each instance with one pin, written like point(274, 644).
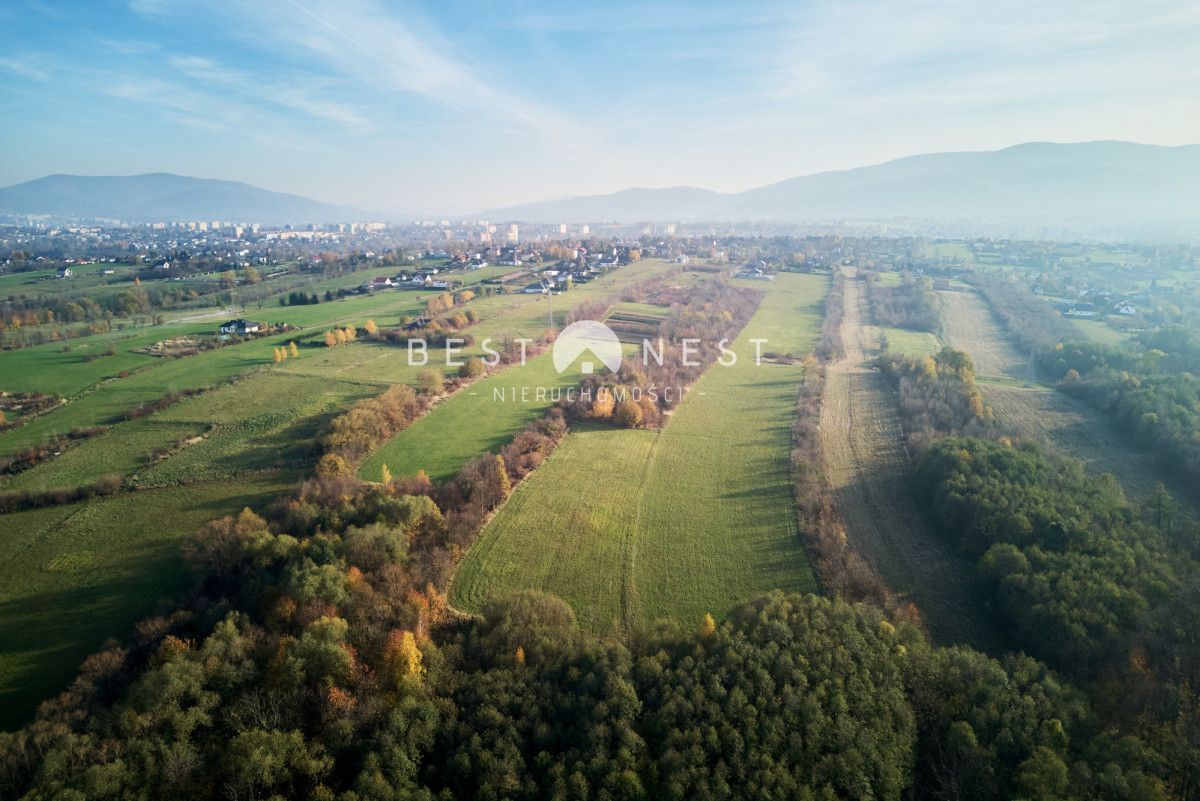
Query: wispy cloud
point(366, 51)
point(866, 49)
point(24, 67)
point(538, 99)
point(367, 43)
point(286, 91)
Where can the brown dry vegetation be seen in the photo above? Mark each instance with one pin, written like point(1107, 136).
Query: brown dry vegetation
point(1066, 426)
point(869, 474)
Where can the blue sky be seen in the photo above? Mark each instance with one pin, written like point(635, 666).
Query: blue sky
point(464, 106)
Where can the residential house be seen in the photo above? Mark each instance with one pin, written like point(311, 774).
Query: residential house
point(1125, 308)
point(240, 327)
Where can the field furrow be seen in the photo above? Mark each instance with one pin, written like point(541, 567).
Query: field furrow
point(634, 526)
point(869, 472)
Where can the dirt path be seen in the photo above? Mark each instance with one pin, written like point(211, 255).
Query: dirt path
point(1068, 427)
point(869, 472)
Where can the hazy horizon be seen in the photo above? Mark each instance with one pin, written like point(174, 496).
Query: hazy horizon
point(379, 105)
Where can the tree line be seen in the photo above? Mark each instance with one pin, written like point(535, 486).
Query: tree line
point(1152, 391)
point(641, 392)
point(912, 303)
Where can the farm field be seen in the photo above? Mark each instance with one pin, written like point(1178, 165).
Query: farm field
point(471, 422)
point(911, 343)
point(98, 396)
point(71, 576)
point(1100, 332)
point(238, 444)
point(868, 470)
point(949, 250)
point(320, 379)
point(482, 417)
point(1067, 426)
point(669, 524)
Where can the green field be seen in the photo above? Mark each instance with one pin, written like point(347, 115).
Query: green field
point(949, 250)
point(1100, 332)
point(647, 309)
point(97, 395)
point(911, 343)
point(65, 569)
point(473, 422)
point(482, 417)
point(72, 576)
point(635, 526)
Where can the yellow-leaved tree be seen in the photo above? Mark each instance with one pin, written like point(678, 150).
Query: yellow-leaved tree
point(502, 476)
point(403, 657)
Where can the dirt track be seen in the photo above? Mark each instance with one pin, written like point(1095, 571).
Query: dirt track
point(1068, 427)
point(869, 474)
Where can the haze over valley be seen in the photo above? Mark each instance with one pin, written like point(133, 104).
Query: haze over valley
point(646, 401)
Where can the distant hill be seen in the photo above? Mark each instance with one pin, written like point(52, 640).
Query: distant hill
point(1093, 182)
point(165, 197)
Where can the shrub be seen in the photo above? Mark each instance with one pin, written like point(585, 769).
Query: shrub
point(472, 368)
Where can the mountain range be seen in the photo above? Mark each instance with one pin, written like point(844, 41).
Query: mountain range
point(1093, 186)
point(163, 196)
point(1120, 182)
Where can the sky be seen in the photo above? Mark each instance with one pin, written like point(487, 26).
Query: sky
point(465, 106)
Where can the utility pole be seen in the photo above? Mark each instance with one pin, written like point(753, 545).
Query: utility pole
point(550, 309)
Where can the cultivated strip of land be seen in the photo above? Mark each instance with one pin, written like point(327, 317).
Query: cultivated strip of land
point(869, 475)
point(1068, 427)
point(486, 415)
point(73, 575)
point(635, 526)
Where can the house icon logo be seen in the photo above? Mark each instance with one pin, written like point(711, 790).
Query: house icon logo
point(587, 336)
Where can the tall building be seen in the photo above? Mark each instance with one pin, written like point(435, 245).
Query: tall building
point(585, 230)
point(562, 229)
point(514, 235)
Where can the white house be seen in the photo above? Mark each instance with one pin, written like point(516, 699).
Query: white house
point(240, 327)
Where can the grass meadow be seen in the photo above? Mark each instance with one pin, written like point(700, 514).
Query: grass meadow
point(911, 343)
point(70, 576)
point(471, 422)
point(635, 526)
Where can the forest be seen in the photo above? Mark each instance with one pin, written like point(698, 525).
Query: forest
point(1077, 576)
point(315, 657)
